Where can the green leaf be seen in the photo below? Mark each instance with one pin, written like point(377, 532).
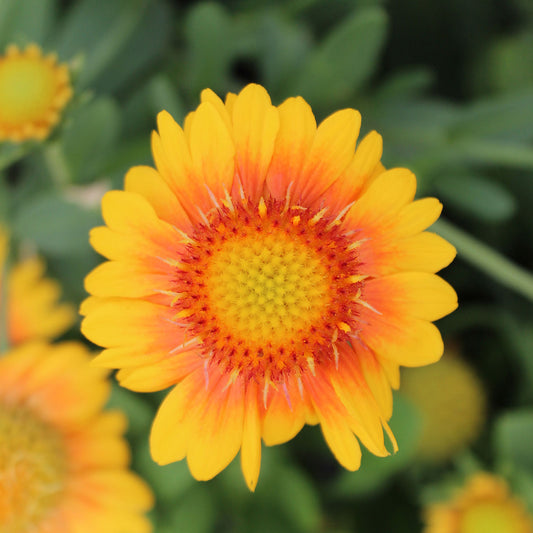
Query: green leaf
point(501, 153)
point(303, 508)
point(513, 435)
point(487, 259)
point(194, 513)
point(209, 36)
point(145, 47)
point(282, 47)
point(375, 472)
point(163, 94)
point(25, 21)
point(98, 31)
point(477, 196)
point(56, 226)
point(344, 61)
point(506, 118)
point(90, 138)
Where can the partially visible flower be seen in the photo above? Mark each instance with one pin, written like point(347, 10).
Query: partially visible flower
point(34, 89)
point(274, 274)
point(63, 461)
point(31, 300)
point(452, 401)
point(484, 505)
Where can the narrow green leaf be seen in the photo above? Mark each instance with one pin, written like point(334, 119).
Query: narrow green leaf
point(506, 118)
point(344, 61)
point(208, 32)
point(98, 31)
point(477, 196)
point(146, 45)
point(90, 139)
point(502, 153)
point(487, 259)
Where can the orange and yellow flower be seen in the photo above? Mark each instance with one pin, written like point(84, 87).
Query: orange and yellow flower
point(484, 505)
point(34, 89)
point(63, 461)
point(272, 273)
point(31, 303)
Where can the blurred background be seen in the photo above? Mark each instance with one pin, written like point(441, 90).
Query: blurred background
point(449, 85)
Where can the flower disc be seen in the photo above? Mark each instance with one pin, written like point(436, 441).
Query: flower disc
point(33, 91)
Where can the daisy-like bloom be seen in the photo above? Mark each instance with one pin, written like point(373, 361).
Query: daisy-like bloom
point(32, 309)
point(452, 402)
point(34, 89)
point(63, 461)
point(484, 505)
point(272, 274)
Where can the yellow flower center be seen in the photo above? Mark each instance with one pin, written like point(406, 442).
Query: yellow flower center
point(493, 517)
point(33, 89)
point(32, 469)
point(268, 290)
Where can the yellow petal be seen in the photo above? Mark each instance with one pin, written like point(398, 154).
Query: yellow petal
point(408, 342)
point(330, 153)
point(297, 129)
point(207, 95)
point(126, 279)
point(425, 252)
point(255, 126)
point(251, 439)
point(122, 322)
point(218, 427)
point(282, 421)
point(170, 434)
point(212, 153)
point(356, 176)
point(387, 194)
point(417, 216)
point(420, 294)
point(147, 182)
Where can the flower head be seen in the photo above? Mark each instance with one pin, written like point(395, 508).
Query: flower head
point(484, 505)
point(63, 461)
point(34, 89)
point(452, 402)
point(32, 309)
point(271, 274)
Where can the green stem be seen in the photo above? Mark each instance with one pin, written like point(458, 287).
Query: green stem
point(56, 163)
point(487, 259)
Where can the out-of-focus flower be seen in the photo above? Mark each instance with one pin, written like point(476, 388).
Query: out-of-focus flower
point(34, 89)
point(452, 402)
point(484, 505)
point(31, 300)
point(63, 461)
point(273, 275)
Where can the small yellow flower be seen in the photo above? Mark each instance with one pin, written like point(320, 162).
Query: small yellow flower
point(275, 274)
point(63, 461)
point(484, 505)
point(32, 310)
point(452, 402)
point(34, 89)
